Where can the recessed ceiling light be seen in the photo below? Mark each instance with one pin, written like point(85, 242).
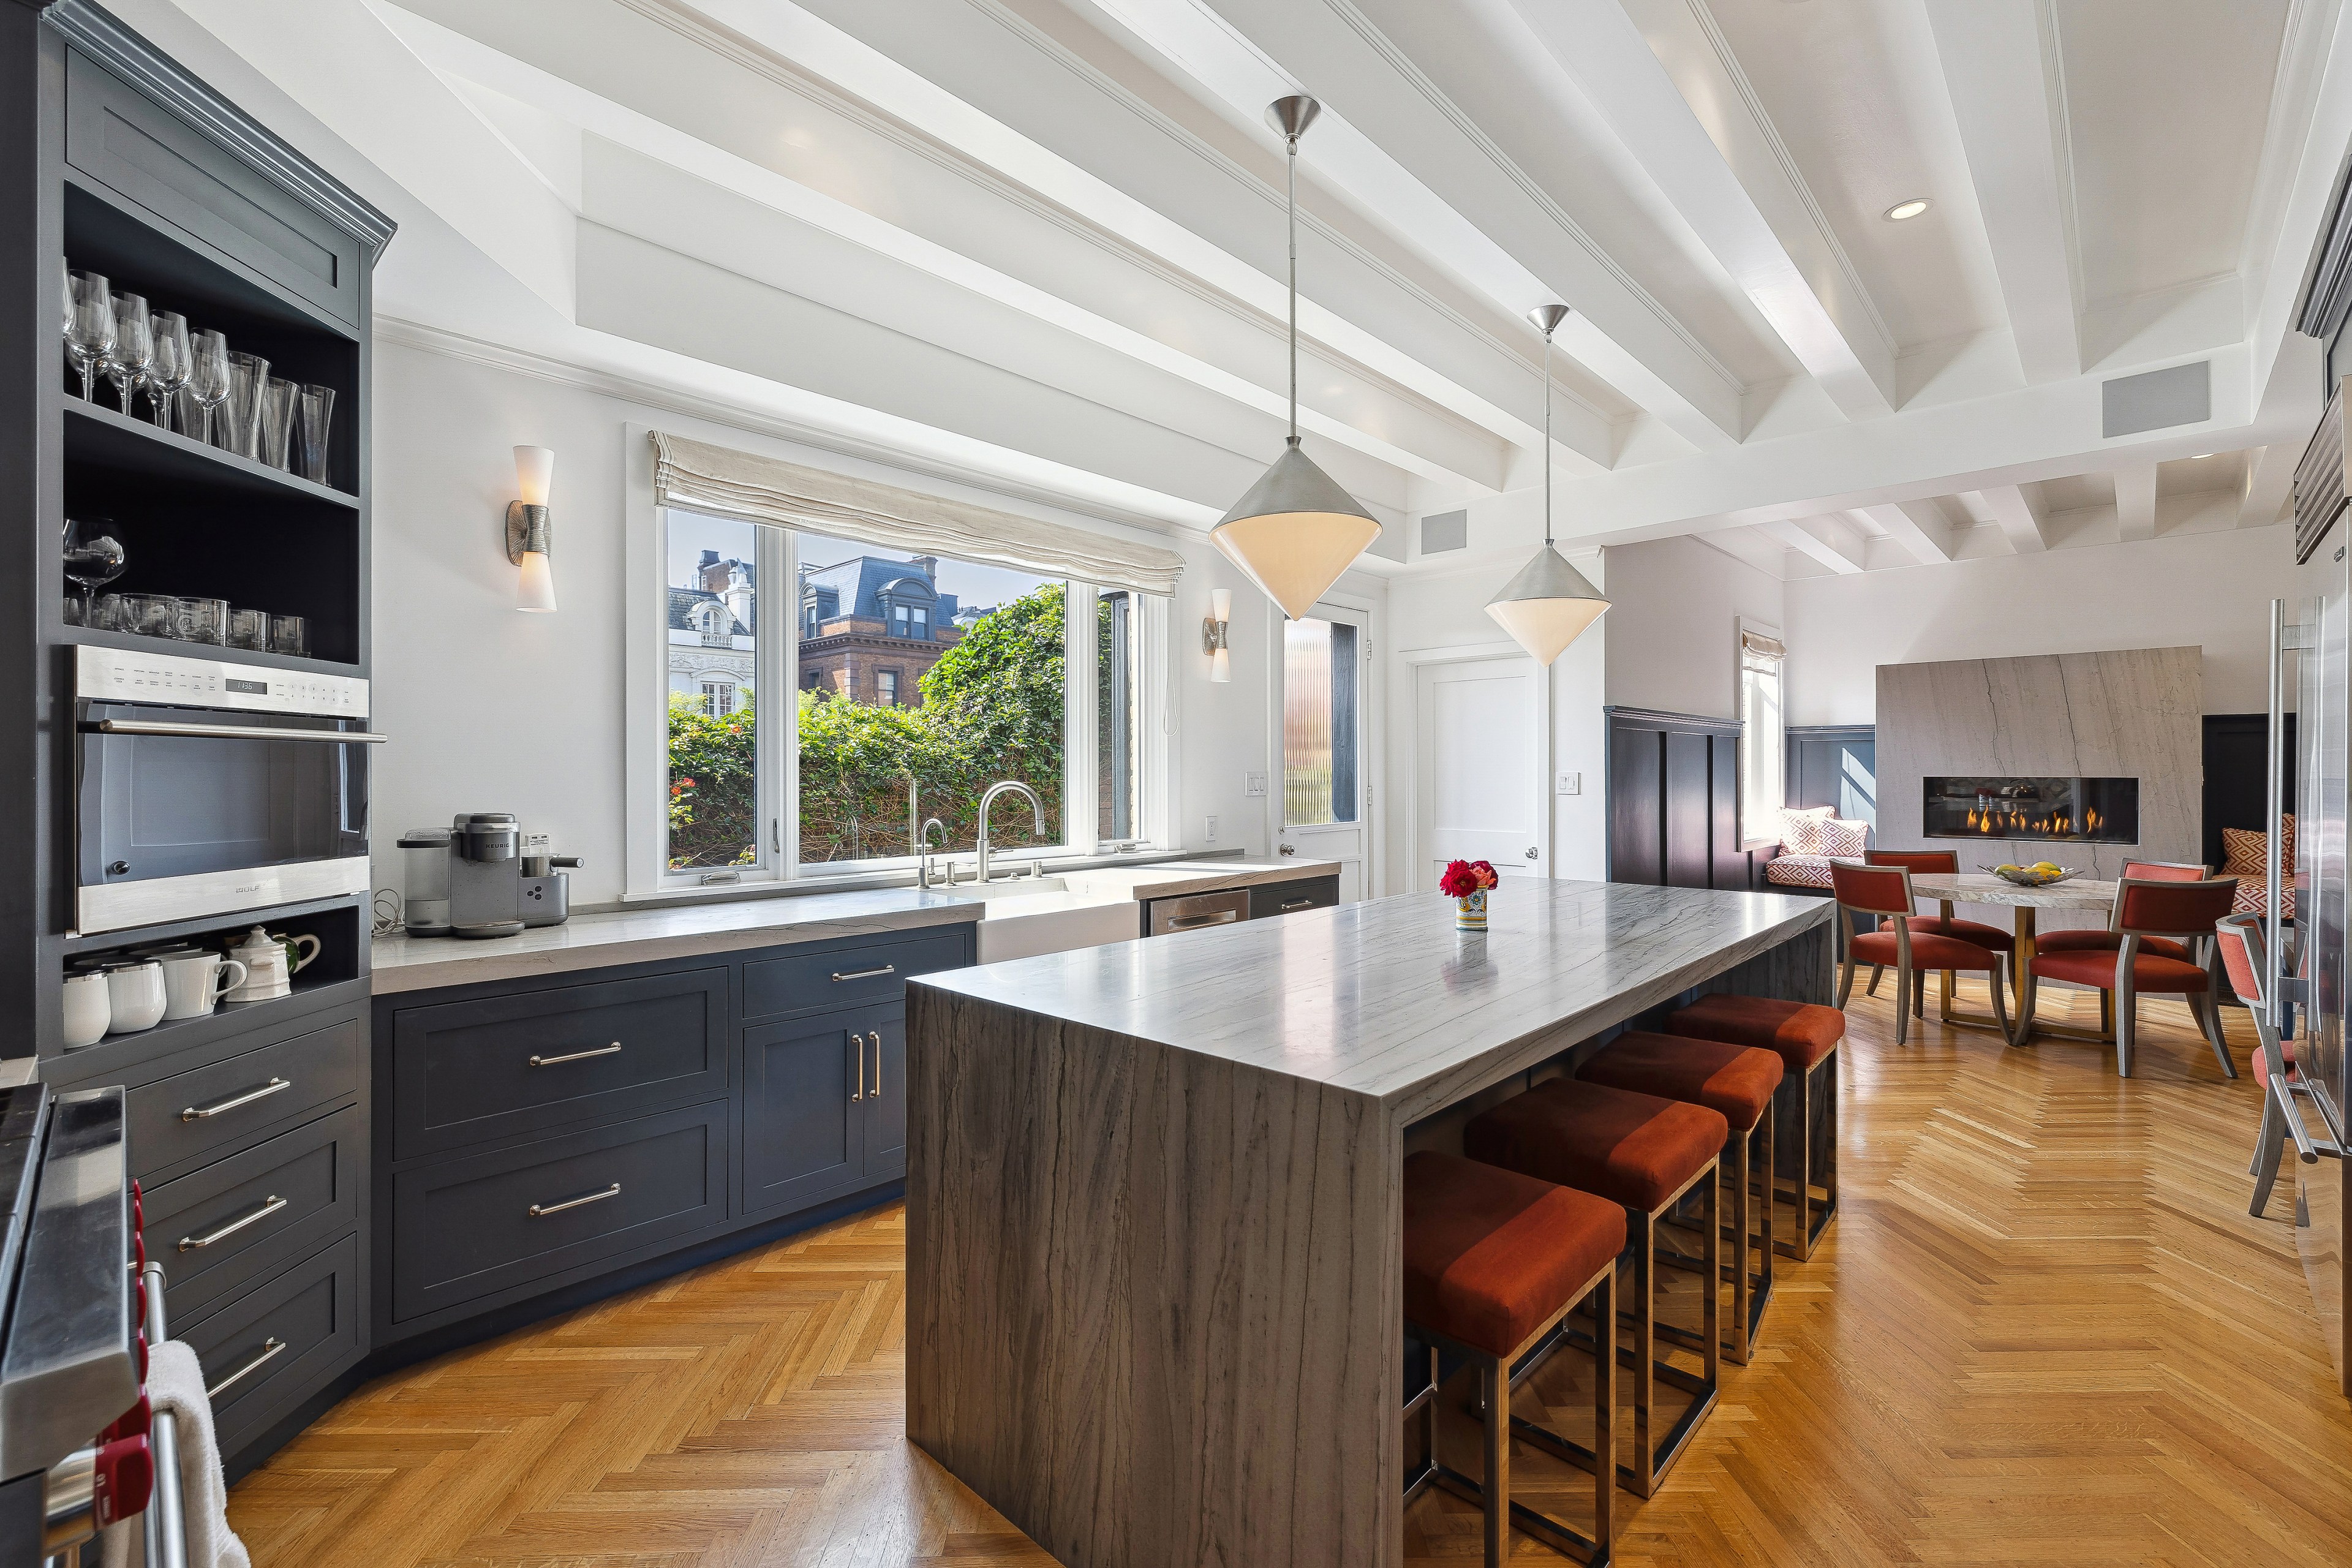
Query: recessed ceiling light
point(1911, 208)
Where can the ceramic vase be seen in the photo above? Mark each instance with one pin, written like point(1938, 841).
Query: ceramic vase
point(1470, 911)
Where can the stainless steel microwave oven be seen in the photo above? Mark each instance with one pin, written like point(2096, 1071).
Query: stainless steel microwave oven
point(208, 788)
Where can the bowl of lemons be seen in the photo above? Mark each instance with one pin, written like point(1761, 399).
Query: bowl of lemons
point(2041, 874)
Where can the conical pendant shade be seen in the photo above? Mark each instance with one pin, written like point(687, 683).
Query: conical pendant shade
point(1294, 532)
point(1548, 606)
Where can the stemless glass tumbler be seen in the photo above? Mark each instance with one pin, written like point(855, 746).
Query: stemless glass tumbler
point(289, 633)
point(317, 409)
point(237, 424)
point(278, 422)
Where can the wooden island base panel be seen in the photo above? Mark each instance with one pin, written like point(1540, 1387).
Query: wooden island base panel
point(1154, 1300)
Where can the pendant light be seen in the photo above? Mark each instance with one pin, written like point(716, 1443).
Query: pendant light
point(1297, 530)
point(1548, 606)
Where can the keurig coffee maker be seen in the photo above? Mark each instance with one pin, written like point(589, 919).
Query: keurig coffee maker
point(498, 879)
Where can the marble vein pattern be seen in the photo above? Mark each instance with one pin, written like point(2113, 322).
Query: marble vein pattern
point(405, 963)
point(1978, 887)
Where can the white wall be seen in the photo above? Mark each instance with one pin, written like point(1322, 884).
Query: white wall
point(2210, 589)
point(1673, 624)
point(491, 709)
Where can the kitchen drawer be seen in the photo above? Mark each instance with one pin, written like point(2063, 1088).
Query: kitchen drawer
point(121, 137)
point(465, 1228)
point(245, 1218)
point(848, 977)
point(269, 1350)
point(232, 1103)
point(1290, 898)
point(508, 1066)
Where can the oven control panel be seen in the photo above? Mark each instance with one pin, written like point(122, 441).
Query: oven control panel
point(106, 674)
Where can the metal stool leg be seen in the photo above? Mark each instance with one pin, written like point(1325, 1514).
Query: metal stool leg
point(1495, 1385)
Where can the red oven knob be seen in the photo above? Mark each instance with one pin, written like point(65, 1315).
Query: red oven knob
point(132, 1423)
point(122, 1479)
point(142, 1358)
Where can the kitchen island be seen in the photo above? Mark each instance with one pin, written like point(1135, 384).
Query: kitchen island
point(1154, 1307)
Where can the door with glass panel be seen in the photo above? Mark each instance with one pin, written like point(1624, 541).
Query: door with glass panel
point(1322, 801)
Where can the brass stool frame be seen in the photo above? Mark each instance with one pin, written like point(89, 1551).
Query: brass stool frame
point(1494, 1385)
point(1752, 1289)
point(1798, 1087)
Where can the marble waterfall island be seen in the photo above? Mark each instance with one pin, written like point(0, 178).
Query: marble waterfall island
point(1154, 1303)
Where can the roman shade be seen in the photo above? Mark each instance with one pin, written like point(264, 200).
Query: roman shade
point(724, 482)
point(1758, 643)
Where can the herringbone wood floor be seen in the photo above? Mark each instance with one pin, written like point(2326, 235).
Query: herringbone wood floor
point(2043, 1331)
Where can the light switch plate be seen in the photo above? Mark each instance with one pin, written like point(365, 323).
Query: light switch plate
point(1571, 783)
point(1256, 790)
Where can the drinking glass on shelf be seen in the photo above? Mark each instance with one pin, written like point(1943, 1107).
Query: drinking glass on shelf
point(135, 347)
point(249, 630)
point(278, 421)
point(93, 557)
point(317, 409)
point(151, 615)
point(171, 369)
point(238, 425)
point(205, 621)
point(207, 381)
point(107, 614)
point(288, 633)
point(90, 339)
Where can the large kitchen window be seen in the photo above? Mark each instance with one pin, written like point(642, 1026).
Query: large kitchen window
point(914, 682)
point(1763, 736)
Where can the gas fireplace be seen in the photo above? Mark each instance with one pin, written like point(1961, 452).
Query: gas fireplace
point(2077, 811)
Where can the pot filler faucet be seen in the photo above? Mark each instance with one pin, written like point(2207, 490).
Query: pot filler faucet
point(999, 787)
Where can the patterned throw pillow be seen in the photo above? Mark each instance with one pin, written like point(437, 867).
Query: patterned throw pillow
point(2247, 852)
point(1843, 840)
point(1800, 831)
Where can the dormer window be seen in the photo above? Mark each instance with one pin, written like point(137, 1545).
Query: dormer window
point(716, 624)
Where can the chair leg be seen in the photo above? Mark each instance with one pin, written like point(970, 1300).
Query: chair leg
point(1876, 970)
point(2270, 1143)
point(2126, 1025)
point(1903, 980)
point(1494, 1386)
point(1918, 993)
point(2210, 1020)
point(1999, 1003)
point(1845, 982)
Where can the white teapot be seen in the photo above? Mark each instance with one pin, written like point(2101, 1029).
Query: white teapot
point(269, 971)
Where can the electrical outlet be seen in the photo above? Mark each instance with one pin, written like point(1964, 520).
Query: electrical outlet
point(1212, 827)
point(1256, 790)
point(1571, 783)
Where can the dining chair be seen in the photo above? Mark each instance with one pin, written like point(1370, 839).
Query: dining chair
point(2182, 916)
point(1935, 863)
point(2109, 940)
point(1885, 891)
point(2240, 939)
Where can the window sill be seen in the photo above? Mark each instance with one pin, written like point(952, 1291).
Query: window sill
point(805, 887)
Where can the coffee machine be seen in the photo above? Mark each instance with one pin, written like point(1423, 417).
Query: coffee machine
point(498, 879)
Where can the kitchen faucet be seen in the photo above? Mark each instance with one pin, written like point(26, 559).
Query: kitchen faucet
point(1036, 805)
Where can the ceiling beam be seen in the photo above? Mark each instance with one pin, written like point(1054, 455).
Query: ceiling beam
point(1918, 526)
point(1729, 178)
point(1825, 538)
point(2020, 517)
point(2000, 64)
point(2270, 484)
point(2135, 499)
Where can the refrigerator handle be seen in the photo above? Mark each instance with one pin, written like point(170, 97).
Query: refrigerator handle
point(2273, 816)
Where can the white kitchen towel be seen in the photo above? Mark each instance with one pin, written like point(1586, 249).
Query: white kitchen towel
point(176, 1384)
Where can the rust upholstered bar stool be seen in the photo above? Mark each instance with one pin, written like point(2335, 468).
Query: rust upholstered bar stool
point(1492, 1261)
point(1936, 863)
point(1807, 1036)
point(1642, 1153)
point(2147, 910)
point(1738, 1082)
point(1887, 891)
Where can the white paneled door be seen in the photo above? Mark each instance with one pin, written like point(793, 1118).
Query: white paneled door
point(1321, 795)
point(1478, 746)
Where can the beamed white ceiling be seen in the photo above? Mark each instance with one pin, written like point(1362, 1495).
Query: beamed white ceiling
point(1037, 245)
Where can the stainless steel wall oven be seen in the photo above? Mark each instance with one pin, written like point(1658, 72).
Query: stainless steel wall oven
point(207, 787)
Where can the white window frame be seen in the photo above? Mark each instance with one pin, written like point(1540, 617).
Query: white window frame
point(1762, 766)
point(776, 668)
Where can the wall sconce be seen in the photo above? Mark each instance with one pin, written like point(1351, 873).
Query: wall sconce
point(529, 533)
point(1212, 634)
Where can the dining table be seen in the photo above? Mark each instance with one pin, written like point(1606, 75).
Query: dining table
point(1983, 888)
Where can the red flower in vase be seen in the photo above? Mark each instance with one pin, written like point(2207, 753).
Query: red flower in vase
point(1464, 877)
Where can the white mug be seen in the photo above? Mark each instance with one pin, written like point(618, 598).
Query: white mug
point(87, 1012)
point(134, 996)
point(193, 982)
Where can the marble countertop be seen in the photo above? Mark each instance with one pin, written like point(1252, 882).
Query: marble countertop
point(640, 936)
point(1182, 878)
point(1983, 888)
point(1385, 998)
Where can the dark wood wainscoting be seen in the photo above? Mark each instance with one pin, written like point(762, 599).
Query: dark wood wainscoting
point(1674, 800)
point(2236, 775)
point(1835, 765)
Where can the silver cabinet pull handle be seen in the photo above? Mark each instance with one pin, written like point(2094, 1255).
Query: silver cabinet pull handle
point(857, 1050)
point(1186, 922)
point(1297, 904)
point(877, 1038)
point(270, 1348)
point(270, 1206)
point(866, 974)
point(611, 1050)
point(199, 1112)
point(229, 732)
point(541, 1211)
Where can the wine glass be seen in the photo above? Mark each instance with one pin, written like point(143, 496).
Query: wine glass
point(90, 339)
point(93, 558)
point(208, 377)
point(170, 372)
point(135, 347)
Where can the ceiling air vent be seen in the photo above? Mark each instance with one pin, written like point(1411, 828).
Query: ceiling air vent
point(2181, 395)
point(1444, 531)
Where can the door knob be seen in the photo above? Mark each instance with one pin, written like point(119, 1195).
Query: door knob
point(1531, 851)
point(1288, 849)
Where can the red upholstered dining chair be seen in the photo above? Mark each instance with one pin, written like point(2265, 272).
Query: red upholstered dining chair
point(2109, 941)
point(2147, 910)
point(2240, 939)
point(1935, 863)
point(1885, 890)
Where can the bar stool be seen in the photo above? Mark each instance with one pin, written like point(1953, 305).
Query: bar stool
point(1807, 1036)
point(1492, 1261)
point(1737, 1082)
point(1642, 1153)
point(2148, 909)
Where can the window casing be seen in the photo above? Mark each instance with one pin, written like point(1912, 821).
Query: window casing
point(1763, 735)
